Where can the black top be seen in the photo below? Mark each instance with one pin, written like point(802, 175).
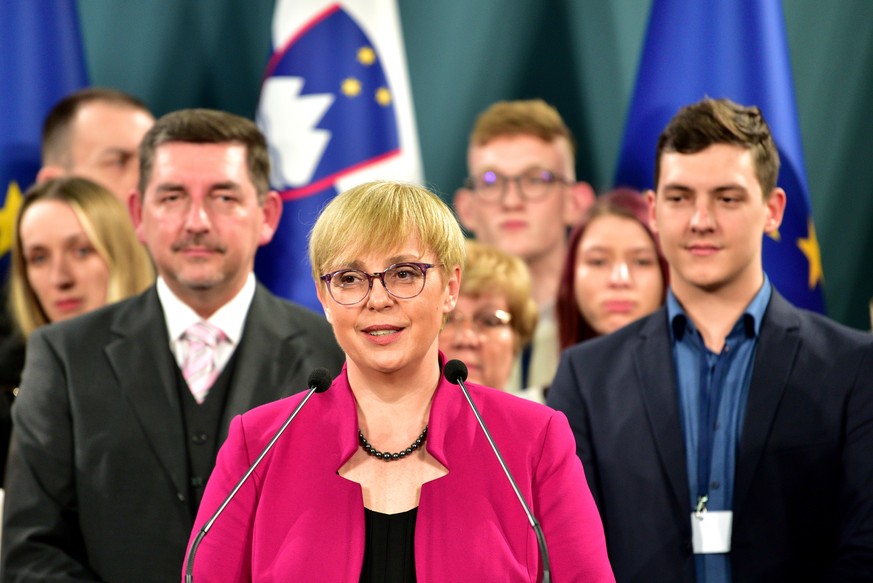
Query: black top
point(389, 545)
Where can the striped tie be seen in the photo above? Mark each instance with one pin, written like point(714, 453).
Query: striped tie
point(199, 367)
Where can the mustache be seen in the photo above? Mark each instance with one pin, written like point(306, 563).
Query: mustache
point(199, 242)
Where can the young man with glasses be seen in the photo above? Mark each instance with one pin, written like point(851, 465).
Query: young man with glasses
point(521, 193)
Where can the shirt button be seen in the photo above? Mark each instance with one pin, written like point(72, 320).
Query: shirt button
point(714, 485)
point(199, 438)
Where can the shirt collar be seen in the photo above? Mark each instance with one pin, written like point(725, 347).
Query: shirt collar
point(229, 318)
point(750, 319)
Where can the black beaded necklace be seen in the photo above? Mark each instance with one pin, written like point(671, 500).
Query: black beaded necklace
point(391, 456)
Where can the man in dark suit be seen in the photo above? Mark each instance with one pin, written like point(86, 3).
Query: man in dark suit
point(728, 436)
point(121, 411)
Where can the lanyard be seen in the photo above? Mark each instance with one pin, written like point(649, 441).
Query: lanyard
point(712, 381)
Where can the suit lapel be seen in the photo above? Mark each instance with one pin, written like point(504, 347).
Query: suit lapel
point(774, 359)
point(146, 373)
point(656, 381)
point(266, 358)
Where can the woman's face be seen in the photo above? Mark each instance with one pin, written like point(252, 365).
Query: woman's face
point(478, 333)
point(386, 334)
point(617, 278)
point(63, 268)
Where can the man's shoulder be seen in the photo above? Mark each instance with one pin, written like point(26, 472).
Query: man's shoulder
point(815, 328)
point(99, 321)
point(615, 344)
point(271, 307)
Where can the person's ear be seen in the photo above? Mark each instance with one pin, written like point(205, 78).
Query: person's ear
point(775, 210)
point(50, 172)
point(272, 209)
point(650, 199)
point(576, 203)
point(326, 304)
point(464, 209)
point(134, 209)
point(453, 287)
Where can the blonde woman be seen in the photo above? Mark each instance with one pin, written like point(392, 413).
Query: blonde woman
point(493, 320)
point(393, 446)
point(74, 250)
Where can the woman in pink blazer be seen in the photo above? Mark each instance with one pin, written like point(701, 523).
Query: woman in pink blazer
point(330, 502)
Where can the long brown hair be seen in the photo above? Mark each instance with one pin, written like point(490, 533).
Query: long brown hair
point(622, 202)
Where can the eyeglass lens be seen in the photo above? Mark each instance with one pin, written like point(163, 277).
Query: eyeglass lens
point(402, 280)
point(532, 185)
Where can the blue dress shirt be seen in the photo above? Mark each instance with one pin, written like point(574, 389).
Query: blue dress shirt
point(713, 390)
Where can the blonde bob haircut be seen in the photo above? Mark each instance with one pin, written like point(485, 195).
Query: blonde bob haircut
point(108, 227)
point(381, 217)
point(490, 271)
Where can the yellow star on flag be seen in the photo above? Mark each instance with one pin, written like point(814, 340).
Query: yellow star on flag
point(366, 56)
point(810, 248)
point(383, 96)
point(351, 87)
point(7, 216)
point(775, 235)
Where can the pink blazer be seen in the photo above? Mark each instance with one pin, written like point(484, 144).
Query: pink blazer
point(296, 519)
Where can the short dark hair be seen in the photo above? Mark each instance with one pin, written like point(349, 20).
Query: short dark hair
point(208, 126)
point(56, 125)
point(721, 121)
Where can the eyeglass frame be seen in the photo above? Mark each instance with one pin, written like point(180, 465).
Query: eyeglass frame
point(470, 183)
point(380, 275)
point(457, 320)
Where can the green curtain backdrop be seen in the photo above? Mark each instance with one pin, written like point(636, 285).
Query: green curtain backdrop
point(580, 56)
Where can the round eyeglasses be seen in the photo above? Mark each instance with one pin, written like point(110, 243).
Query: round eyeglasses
point(534, 184)
point(402, 280)
point(482, 323)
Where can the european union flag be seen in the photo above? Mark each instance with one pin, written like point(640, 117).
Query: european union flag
point(40, 61)
point(328, 111)
point(735, 49)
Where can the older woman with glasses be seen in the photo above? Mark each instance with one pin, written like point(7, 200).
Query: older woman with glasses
point(387, 476)
point(493, 320)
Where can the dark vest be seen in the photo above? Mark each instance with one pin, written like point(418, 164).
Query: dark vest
point(202, 426)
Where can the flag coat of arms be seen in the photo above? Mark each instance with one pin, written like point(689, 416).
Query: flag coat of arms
point(337, 111)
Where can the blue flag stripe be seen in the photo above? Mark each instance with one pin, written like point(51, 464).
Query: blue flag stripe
point(734, 49)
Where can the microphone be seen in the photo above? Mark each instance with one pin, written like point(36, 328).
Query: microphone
point(455, 372)
point(319, 381)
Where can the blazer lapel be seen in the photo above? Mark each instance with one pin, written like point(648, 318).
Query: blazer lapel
point(266, 358)
point(656, 381)
point(145, 369)
point(774, 359)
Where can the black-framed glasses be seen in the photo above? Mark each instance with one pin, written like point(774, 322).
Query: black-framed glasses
point(402, 280)
point(534, 184)
point(481, 322)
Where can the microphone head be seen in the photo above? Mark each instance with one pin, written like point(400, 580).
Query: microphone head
point(455, 371)
point(320, 380)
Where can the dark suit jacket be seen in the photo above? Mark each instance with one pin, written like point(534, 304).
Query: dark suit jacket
point(803, 495)
point(98, 476)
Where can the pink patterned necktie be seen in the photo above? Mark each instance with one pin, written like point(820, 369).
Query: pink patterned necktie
point(199, 367)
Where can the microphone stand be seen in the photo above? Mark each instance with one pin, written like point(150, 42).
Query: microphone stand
point(541, 539)
point(189, 567)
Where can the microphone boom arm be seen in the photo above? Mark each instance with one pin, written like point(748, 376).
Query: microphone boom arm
point(189, 567)
point(541, 539)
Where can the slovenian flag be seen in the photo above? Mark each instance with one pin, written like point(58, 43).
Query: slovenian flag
point(337, 111)
point(41, 61)
point(734, 49)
